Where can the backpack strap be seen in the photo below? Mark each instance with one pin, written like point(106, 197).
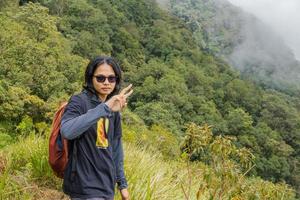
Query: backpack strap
point(86, 107)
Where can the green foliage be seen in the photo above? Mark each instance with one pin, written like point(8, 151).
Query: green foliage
point(228, 166)
point(222, 29)
point(34, 159)
point(149, 177)
point(26, 163)
point(25, 171)
point(156, 139)
point(5, 140)
point(25, 127)
point(165, 142)
point(8, 4)
point(160, 113)
point(239, 122)
point(216, 150)
point(29, 78)
point(12, 101)
point(165, 39)
point(87, 27)
point(176, 81)
point(243, 94)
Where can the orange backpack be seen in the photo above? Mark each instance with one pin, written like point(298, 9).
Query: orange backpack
point(58, 146)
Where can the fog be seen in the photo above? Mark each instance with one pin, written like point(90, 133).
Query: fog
point(263, 36)
point(282, 16)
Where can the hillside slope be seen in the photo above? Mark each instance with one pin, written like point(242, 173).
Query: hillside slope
point(25, 173)
point(44, 51)
point(243, 40)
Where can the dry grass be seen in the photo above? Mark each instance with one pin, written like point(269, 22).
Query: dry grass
point(25, 174)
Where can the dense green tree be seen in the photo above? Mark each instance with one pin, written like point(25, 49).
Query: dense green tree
point(244, 94)
point(35, 62)
point(162, 114)
point(87, 27)
point(239, 122)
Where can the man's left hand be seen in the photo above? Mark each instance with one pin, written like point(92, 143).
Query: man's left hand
point(125, 194)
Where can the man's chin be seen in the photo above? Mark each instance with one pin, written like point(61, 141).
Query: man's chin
point(106, 92)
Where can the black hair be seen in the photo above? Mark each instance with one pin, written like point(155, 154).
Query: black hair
point(91, 68)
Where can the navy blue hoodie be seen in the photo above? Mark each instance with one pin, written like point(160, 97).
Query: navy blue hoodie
point(98, 164)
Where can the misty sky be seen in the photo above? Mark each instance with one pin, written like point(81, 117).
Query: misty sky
point(282, 15)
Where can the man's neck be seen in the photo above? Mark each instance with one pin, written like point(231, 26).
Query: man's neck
point(102, 97)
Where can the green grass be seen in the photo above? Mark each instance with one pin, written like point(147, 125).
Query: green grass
point(25, 174)
point(25, 168)
point(149, 176)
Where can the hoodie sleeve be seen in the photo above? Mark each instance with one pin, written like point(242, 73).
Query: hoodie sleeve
point(118, 154)
point(74, 121)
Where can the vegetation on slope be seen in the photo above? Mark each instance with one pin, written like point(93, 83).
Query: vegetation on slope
point(43, 57)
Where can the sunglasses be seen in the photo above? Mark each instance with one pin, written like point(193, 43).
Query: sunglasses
point(102, 78)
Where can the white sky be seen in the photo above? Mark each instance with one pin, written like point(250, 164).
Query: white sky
point(282, 15)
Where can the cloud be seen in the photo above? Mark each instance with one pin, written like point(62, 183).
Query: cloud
point(281, 15)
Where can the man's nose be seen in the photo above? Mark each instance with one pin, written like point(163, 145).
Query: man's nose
point(106, 81)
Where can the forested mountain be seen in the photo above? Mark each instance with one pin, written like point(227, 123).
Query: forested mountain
point(45, 45)
point(242, 40)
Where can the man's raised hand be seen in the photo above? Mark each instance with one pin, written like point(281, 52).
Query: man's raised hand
point(118, 102)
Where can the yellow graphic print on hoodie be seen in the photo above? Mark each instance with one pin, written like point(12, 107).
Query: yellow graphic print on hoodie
point(102, 130)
